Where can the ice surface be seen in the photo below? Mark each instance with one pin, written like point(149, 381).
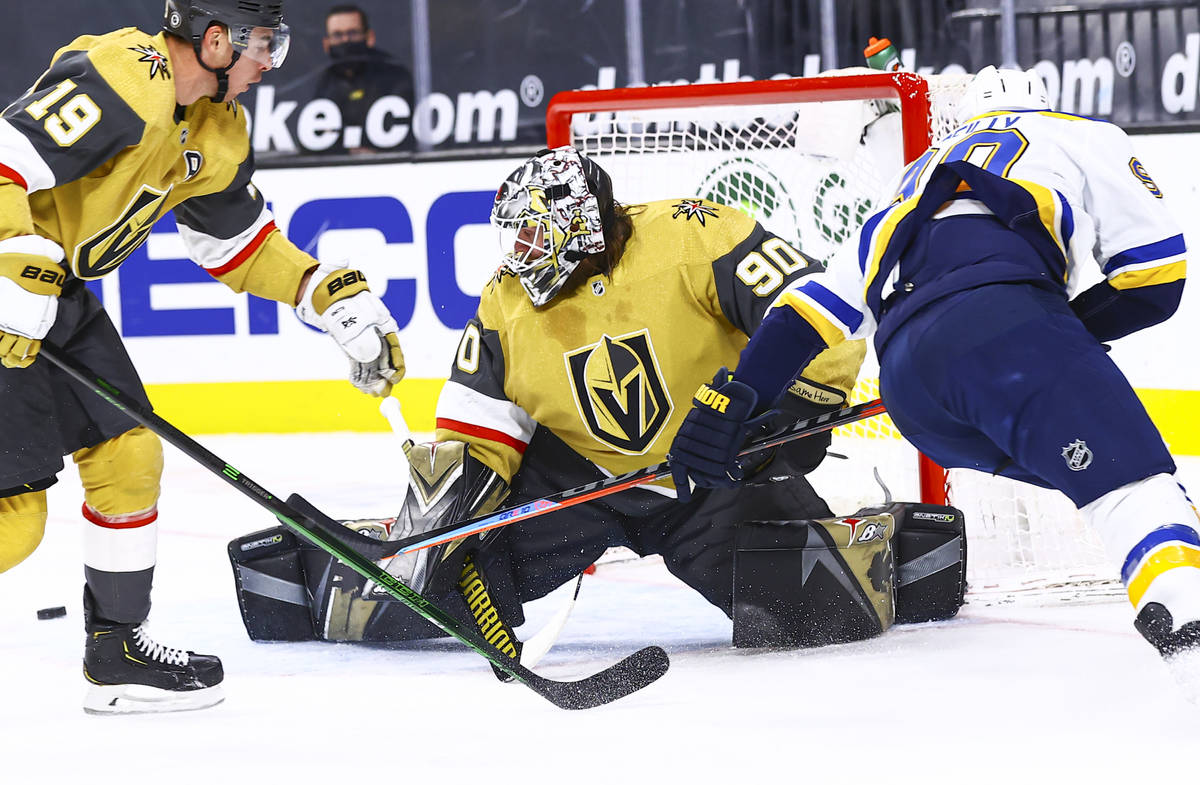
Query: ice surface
point(1000, 694)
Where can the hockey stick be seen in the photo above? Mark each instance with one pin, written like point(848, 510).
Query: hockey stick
point(535, 646)
point(382, 549)
point(629, 675)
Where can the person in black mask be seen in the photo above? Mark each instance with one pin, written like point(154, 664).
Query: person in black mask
point(359, 75)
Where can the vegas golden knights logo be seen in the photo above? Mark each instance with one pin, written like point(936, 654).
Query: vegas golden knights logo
point(620, 392)
point(104, 251)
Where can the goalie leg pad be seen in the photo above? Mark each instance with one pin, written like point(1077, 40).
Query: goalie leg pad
point(812, 583)
point(270, 586)
point(290, 591)
point(931, 562)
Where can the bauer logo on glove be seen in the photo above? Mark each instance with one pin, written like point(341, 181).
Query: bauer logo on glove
point(31, 279)
point(705, 448)
point(54, 276)
point(707, 396)
point(337, 301)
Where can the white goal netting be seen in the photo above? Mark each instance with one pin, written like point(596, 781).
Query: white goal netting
point(810, 158)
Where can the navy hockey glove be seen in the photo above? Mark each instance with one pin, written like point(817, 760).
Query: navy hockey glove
point(706, 446)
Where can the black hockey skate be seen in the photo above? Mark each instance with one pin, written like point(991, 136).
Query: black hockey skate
point(131, 674)
point(1156, 625)
point(1180, 648)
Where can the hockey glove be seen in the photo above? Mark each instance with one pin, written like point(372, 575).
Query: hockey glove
point(706, 446)
point(31, 279)
point(338, 302)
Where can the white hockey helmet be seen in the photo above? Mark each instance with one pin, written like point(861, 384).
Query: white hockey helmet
point(549, 213)
point(998, 89)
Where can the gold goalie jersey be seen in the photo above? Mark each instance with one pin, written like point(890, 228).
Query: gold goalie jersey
point(97, 150)
point(610, 367)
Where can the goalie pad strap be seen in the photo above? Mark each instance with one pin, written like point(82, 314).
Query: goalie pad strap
point(272, 588)
point(944, 556)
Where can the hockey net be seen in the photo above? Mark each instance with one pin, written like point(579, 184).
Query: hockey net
point(810, 159)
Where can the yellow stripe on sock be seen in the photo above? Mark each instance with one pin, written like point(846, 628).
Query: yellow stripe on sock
point(1156, 563)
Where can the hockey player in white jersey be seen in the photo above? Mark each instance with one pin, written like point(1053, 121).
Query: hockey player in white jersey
point(963, 281)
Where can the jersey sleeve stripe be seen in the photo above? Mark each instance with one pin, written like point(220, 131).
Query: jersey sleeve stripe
point(1164, 251)
point(835, 306)
point(20, 157)
point(1136, 279)
point(219, 256)
point(820, 319)
point(460, 404)
point(245, 253)
point(14, 175)
point(479, 432)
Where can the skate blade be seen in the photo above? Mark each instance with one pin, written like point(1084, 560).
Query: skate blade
point(140, 699)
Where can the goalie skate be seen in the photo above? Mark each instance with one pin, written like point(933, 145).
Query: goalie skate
point(131, 674)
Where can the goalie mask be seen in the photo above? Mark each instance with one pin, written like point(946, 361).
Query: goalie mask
point(549, 214)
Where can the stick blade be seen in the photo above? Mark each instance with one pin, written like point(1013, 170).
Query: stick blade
point(638, 670)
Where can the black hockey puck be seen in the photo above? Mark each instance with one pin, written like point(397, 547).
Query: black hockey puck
point(52, 613)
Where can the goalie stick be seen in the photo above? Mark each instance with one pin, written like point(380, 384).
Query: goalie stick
point(383, 549)
point(629, 675)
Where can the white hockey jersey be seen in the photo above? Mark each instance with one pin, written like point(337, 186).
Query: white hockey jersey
point(1070, 186)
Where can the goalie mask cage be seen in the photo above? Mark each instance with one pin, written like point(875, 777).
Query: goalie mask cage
point(809, 158)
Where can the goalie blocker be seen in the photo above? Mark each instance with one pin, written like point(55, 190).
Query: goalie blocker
point(836, 580)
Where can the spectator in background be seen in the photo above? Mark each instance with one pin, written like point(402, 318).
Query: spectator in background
point(359, 75)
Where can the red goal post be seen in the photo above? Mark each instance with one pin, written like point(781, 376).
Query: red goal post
point(912, 92)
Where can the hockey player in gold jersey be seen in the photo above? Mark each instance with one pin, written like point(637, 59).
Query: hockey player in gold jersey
point(579, 364)
point(120, 129)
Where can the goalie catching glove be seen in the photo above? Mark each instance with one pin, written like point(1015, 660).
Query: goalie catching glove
point(31, 279)
point(446, 485)
point(338, 302)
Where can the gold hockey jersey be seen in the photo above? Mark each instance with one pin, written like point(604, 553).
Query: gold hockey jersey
point(97, 150)
point(610, 367)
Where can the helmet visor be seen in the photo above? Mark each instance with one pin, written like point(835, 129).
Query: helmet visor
point(263, 45)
